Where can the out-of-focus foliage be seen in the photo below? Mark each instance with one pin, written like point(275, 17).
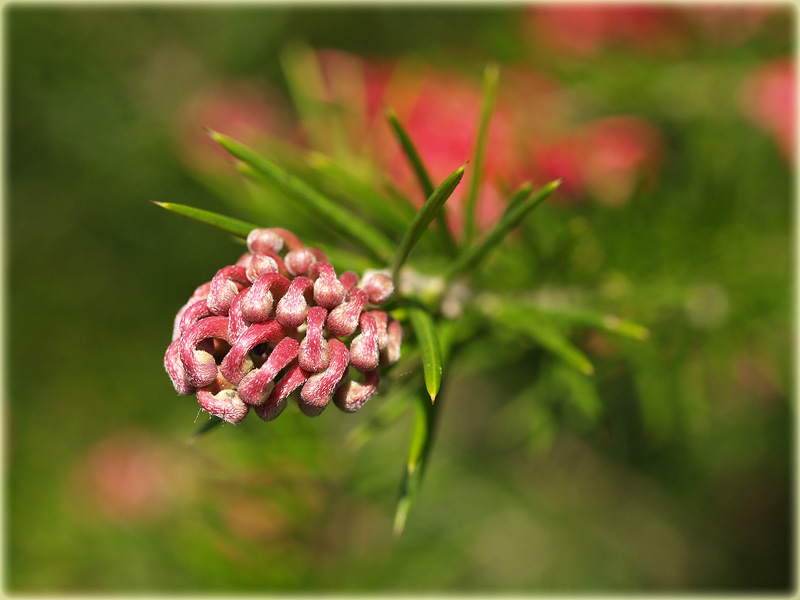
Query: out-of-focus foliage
point(669, 469)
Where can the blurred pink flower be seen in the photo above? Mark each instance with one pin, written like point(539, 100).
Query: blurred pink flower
point(586, 29)
point(236, 108)
point(728, 24)
point(768, 97)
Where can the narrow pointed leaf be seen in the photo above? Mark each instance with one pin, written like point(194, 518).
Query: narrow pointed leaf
point(212, 423)
point(316, 203)
point(228, 224)
point(530, 324)
point(513, 216)
point(424, 217)
point(430, 349)
point(598, 320)
point(490, 78)
point(424, 179)
point(422, 436)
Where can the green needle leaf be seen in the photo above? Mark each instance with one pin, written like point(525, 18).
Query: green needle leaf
point(518, 208)
point(430, 348)
point(490, 78)
point(598, 320)
point(424, 217)
point(347, 223)
point(518, 318)
point(422, 436)
point(228, 224)
point(416, 164)
point(212, 423)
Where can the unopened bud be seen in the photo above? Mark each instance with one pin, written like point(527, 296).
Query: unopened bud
point(260, 264)
point(381, 321)
point(224, 287)
point(391, 354)
point(298, 262)
point(353, 395)
point(232, 367)
point(176, 371)
point(258, 301)
point(293, 307)
point(260, 241)
point(328, 291)
point(220, 400)
point(314, 355)
point(379, 288)
point(343, 320)
point(201, 368)
point(256, 386)
point(348, 279)
point(364, 354)
point(276, 402)
point(317, 391)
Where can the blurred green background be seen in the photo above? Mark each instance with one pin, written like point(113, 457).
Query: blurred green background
point(682, 483)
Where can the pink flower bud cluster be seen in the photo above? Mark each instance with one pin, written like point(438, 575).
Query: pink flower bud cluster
point(280, 320)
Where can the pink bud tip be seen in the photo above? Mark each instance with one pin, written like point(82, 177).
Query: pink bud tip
point(232, 367)
point(391, 354)
point(257, 304)
point(379, 288)
point(349, 280)
point(260, 264)
point(201, 368)
point(201, 293)
point(291, 240)
point(314, 355)
point(224, 287)
point(192, 314)
point(317, 391)
point(298, 262)
point(353, 395)
point(175, 370)
point(328, 291)
point(257, 385)
point(343, 320)
point(236, 323)
point(225, 404)
point(381, 320)
point(276, 402)
point(260, 241)
point(293, 307)
point(364, 354)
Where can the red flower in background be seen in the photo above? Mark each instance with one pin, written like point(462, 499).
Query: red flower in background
point(768, 97)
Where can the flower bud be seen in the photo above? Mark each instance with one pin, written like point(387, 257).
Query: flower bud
point(193, 313)
point(293, 307)
point(328, 291)
point(257, 385)
point(291, 241)
point(260, 264)
point(298, 262)
point(260, 241)
point(391, 354)
point(276, 402)
point(201, 293)
point(381, 320)
point(236, 323)
point(221, 400)
point(257, 304)
point(364, 353)
point(224, 287)
point(343, 320)
point(379, 288)
point(201, 368)
point(317, 391)
point(175, 370)
point(232, 367)
point(314, 355)
point(348, 279)
point(353, 395)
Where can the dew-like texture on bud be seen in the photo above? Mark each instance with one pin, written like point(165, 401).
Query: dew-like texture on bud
point(364, 354)
point(391, 354)
point(224, 287)
point(232, 367)
point(260, 264)
point(260, 241)
point(276, 402)
point(317, 391)
point(343, 320)
point(314, 355)
point(379, 288)
point(267, 327)
point(257, 385)
point(259, 299)
point(175, 370)
point(328, 290)
point(293, 307)
point(298, 262)
point(381, 321)
point(348, 279)
point(201, 368)
point(352, 395)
